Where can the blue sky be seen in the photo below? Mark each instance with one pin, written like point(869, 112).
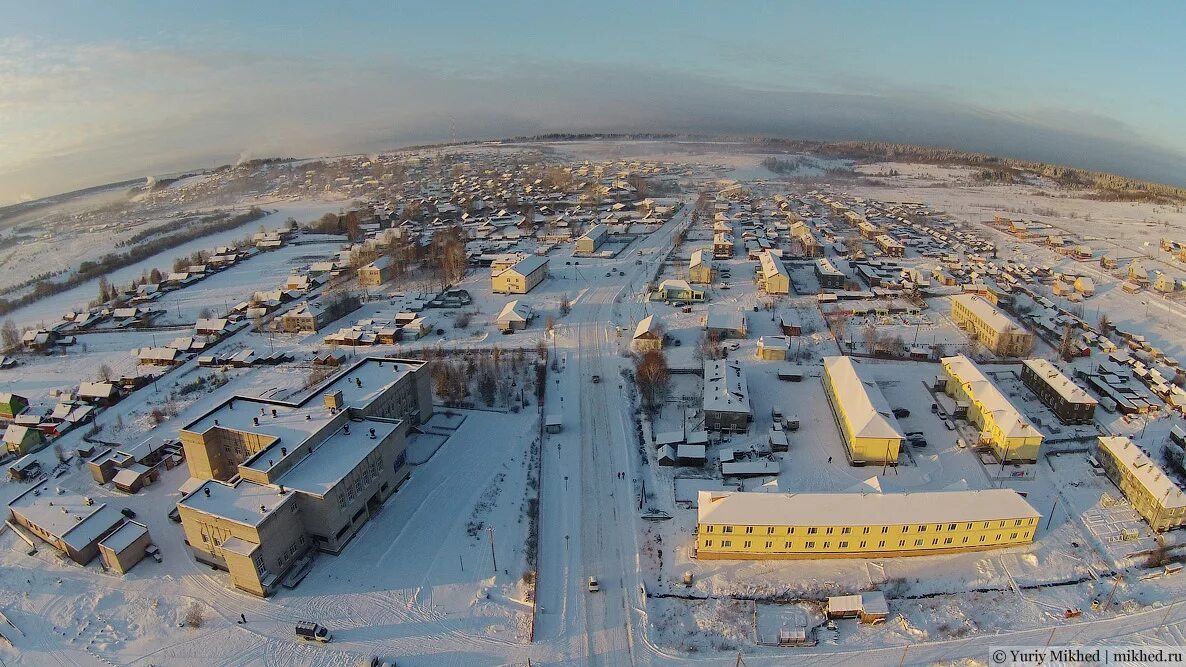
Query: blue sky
point(99, 91)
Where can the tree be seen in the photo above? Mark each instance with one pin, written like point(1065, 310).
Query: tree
point(205, 314)
point(105, 373)
point(653, 378)
point(9, 336)
point(105, 290)
point(487, 384)
point(1066, 346)
point(565, 305)
point(154, 276)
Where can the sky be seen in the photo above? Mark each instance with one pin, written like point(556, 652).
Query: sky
point(92, 93)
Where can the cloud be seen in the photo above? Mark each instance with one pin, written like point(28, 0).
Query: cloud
point(92, 113)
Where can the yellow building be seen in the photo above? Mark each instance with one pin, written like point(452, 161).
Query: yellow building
point(740, 525)
point(1002, 426)
point(700, 269)
point(773, 277)
point(376, 273)
point(1152, 494)
point(520, 278)
point(592, 239)
point(647, 335)
point(991, 327)
point(773, 348)
point(866, 422)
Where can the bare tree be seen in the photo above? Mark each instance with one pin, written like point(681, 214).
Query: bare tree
point(105, 373)
point(9, 335)
point(653, 378)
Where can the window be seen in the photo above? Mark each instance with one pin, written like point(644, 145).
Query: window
point(884, 530)
point(947, 540)
point(998, 537)
point(922, 529)
point(881, 544)
point(965, 540)
point(812, 530)
point(770, 530)
point(708, 529)
point(918, 543)
point(827, 545)
point(865, 530)
point(727, 529)
point(708, 543)
point(862, 544)
point(829, 531)
point(726, 543)
point(749, 530)
point(1002, 525)
point(844, 545)
point(981, 538)
point(769, 544)
point(788, 546)
point(1017, 522)
point(935, 542)
point(901, 543)
point(969, 525)
point(791, 530)
point(810, 545)
point(951, 526)
point(845, 531)
point(746, 544)
point(1013, 536)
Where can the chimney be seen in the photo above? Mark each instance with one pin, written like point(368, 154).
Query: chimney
point(255, 421)
point(207, 490)
point(282, 491)
point(269, 463)
point(283, 451)
point(357, 382)
point(347, 429)
point(372, 434)
point(308, 417)
point(263, 509)
point(273, 413)
point(216, 422)
point(230, 404)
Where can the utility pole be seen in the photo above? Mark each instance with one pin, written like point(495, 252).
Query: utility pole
point(493, 560)
point(1050, 517)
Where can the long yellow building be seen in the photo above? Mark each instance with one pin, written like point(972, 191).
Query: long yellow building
point(1002, 426)
point(867, 424)
point(1152, 494)
point(745, 526)
point(991, 327)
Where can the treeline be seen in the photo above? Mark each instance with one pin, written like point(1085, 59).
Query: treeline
point(91, 269)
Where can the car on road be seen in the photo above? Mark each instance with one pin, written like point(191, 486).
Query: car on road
point(596, 379)
point(959, 442)
point(608, 274)
point(901, 413)
point(594, 586)
point(949, 424)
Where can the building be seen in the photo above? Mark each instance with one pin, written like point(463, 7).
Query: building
point(722, 245)
point(376, 273)
point(308, 317)
point(772, 348)
point(867, 424)
point(514, 316)
point(772, 275)
point(1002, 426)
point(125, 547)
point(12, 405)
point(889, 245)
point(1152, 494)
point(71, 523)
point(299, 476)
point(20, 439)
point(1069, 402)
point(647, 335)
point(741, 525)
point(828, 276)
point(677, 290)
point(700, 270)
point(869, 607)
point(520, 278)
point(812, 248)
point(1164, 283)
point(592, 239)
point(992, 328)
point(219, 441)
point(726, 397)
point(723, 323)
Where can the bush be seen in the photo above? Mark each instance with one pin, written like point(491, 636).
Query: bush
point(195, 616)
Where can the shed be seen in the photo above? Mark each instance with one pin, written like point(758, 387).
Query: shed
point(133, 478)
point(125, 547)
point(870, 607)
point(666, 455)
point(553, 423)
point(690, 455)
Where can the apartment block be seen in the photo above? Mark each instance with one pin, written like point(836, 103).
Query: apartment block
point(1002, 426)
point(1152, 494)
point(1067, 400)
point(995, 330)
point(867, 424)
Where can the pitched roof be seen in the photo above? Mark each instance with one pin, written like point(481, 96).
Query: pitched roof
point(868, 411)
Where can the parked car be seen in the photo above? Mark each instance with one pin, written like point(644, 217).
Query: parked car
point(901, 413)
point(376, 661)
point(594, 586)
point(313, 632)
point(948, 423)
point(596, 379)
point(128, 513)
point(959, 442)
point(175, 515)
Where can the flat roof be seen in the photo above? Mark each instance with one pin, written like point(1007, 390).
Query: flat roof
point(124, 536)
point(725, 387)
point(244, 502)
point(863, 401)
point(335, 457)
point(1011, 421)
point(1052, 376)
point(861, 509)
point(987, 313)
point(1144, 470)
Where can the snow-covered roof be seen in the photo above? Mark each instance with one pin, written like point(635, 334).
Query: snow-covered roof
point(774, 342)
point(825, 267)
point(1011, 421)
point(725, 387)
point(868, 412)
point(861, 509)
point(986, 312)
point(514, 311)
point(728, 319)
point(1130, 457)
point(124, 536)
point(771, 265)
point(529, 265)
point(244, 502)
point(1055, 378)
point(700, 257)
point(647, 328)
point(67, 516)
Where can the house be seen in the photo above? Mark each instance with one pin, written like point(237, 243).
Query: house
point(677, 290)
point(772, 348)
point(301, 283)
point(700, 269)
point(305, 318)
point(122, 549)
point(723, 323)
point(1137, 273)
point(99, 393)
point(1084, 286)
point(754, 525)
point(20, 440)
point(160, 356)
point(515, 316)
point(722, 245)
point(73, 524)
point(648, 336)
point(869, 428)
point(521, 277)
point(889, 245)
point(1067, 400)
point(592, 239)
point(376, 273)
point(773, 277)
point(211, 326)
point(989, 326)
point(726, 401)
point(1164, 283)
point(828, 276)
point(12, 405)
point(690, 455)
point(553, 423)
point(1152, 493)
point(1002, 426)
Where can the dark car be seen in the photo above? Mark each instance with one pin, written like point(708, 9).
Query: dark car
point(901, 413)
point(128, 513)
